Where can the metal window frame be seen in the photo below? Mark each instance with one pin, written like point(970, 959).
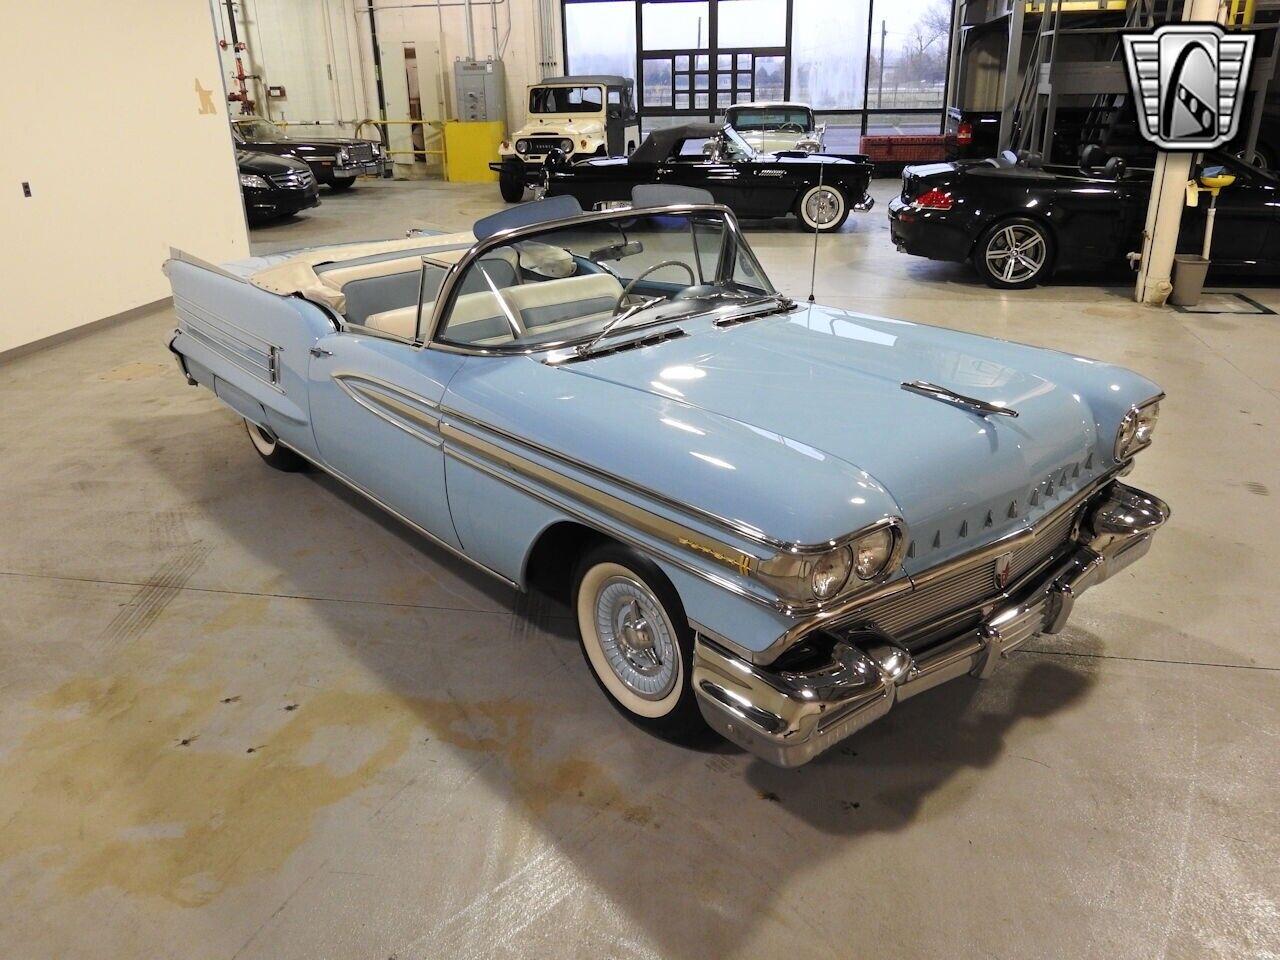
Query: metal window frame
point(864, 113)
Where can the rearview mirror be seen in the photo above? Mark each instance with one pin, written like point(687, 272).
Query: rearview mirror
point(617, 251)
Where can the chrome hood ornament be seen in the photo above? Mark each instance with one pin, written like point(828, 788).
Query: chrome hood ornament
point(935, 392)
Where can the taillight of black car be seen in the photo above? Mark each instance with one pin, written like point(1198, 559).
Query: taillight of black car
point(933, 199)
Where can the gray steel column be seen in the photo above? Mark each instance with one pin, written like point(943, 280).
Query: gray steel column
point(1009, 96)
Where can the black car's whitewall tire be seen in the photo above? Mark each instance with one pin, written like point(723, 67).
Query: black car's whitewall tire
point(636, 640)
point(823, 208)
point(1014, 253)
point(272, 450)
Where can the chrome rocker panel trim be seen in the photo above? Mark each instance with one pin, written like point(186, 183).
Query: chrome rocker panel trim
point(789, 717)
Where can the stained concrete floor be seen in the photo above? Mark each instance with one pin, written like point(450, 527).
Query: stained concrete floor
point(246, 716)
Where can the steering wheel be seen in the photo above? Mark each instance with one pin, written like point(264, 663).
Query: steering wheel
point(792, 126)
point(626, 291)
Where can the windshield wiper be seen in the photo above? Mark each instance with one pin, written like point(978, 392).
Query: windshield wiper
point(586, 348)
point(780, 302)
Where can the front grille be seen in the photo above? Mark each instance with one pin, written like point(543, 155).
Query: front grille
point(544, 144)
point(360, 152)
point(294, 180)
point(901, 615)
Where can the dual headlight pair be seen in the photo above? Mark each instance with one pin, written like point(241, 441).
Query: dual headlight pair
point(809, 578)
point(522, 146)
point(1136, 429)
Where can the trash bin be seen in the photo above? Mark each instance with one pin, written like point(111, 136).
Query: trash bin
point(1188, 279)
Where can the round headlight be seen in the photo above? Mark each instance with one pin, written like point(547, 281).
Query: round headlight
point(872, 554)
point(522, 146)
point(830, 572)
point(566, 145)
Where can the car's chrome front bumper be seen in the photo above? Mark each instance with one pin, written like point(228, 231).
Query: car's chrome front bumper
point(789, 717)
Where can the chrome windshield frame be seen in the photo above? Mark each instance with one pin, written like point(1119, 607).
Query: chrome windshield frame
point(430, 338)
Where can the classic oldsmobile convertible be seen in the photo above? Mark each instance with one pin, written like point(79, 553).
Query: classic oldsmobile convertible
point(776, 519)
point(819, 188)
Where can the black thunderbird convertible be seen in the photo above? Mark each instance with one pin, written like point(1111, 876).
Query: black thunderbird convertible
point(819, 188)
point(1018, 221)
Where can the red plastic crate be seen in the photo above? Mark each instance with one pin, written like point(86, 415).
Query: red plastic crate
point(906, 149)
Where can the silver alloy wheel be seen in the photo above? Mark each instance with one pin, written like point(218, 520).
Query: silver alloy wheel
point(636, 638)
point(262, 439)
point(822, 206)
point(1016, 253)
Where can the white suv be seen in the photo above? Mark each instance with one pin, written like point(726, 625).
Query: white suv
point(579, 116)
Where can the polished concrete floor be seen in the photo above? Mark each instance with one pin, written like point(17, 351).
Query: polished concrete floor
point(246, 716)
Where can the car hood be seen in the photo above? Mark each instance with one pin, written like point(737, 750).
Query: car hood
point(826, 384)
point(552, 125)
point(250, 161)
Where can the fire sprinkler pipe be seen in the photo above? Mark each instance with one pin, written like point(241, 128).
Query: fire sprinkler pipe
point(246, 105)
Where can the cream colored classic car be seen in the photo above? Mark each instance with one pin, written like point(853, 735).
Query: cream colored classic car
point(775, 127)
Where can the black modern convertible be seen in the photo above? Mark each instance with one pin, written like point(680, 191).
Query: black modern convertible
point(819, 188)
point(1018, 221)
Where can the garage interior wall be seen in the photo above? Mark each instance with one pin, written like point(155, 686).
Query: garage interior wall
point(320, 52)
point(125, 148)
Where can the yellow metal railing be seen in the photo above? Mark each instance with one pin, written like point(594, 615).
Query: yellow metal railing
point(1076, 6)
point(1241, 13)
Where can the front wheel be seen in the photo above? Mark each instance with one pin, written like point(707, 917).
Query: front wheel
point(272, 450)
point(1014, 254)
point(341, 184)
point(637, 642)
point(823, 208)
point(512, 187)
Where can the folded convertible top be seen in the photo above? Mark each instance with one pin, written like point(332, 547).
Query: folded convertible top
point(298, 274)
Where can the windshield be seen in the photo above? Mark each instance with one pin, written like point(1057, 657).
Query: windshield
point(748, 119)
point(566, 99)
point(262, 131)
point(567, 284)
point(733, 147)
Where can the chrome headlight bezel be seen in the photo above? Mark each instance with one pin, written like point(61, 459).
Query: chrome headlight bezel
point(522, 146)
point(1136, 429)
point(566, 145)
point(793, 573)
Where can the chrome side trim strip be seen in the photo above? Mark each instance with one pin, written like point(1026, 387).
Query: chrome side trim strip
point(626, 513)
point(394, 411)
point(423, 531)
point(737, 527)
point(586, 519)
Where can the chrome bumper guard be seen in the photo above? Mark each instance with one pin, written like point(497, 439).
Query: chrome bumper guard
point(865, 204)
point(789, 717)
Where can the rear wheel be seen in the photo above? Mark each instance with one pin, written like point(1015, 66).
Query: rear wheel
point(1014, 254)
point(823, 208)
point(271, 450)
point(636, 641)
point(512, 187)
point(340, 185)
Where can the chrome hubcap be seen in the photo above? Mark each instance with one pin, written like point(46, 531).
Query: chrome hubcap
point(1016, 253)
point(822, 207)
point(635, 637)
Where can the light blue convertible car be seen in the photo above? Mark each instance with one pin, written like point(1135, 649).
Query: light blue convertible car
point(775, 519)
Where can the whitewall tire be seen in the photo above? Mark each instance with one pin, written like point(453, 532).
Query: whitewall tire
point(823, 208)
point(272, 450)
point(636, 640)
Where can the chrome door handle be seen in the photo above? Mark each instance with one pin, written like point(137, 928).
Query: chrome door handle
point(321, 352)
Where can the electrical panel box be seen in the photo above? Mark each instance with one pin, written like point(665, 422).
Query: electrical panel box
point(482, 90)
